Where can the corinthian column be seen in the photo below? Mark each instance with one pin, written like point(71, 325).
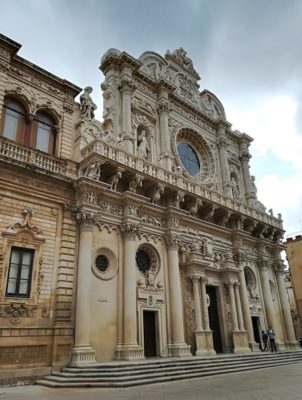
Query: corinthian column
point(130, 349)
point(290, 333)
point(222, 144)
point(178, 347)
point(82, 352)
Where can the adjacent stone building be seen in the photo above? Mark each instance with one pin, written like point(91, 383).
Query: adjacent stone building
point(140, 235)
point(294, 285)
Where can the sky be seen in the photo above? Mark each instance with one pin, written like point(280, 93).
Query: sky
point(247, 52)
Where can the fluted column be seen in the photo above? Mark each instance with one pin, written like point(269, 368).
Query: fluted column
point(246, 310)
point(178, 346)
point(233, 306)
point(266, 292)
point(195, 280)
point(205, 311)
point(82, 352)
point(238, 307)
point(285, 307)
point(222, 144)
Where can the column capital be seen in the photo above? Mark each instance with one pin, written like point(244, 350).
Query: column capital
point(279, 267)
point(163, 106)
point(130, 230)
point(263, 265)
point(222, 140)
point(126, 85)
point(85, 219)
point(172, 242)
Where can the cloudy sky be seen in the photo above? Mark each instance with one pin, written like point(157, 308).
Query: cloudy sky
point(247, 52)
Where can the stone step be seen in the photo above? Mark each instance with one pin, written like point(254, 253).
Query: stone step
point(175, 363)
point(163, 371)
point(165, 368)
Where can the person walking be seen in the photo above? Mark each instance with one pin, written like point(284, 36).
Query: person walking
point(264, 340)
point(272, 337)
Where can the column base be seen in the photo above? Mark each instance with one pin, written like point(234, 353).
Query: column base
point(240, 342)
point(254, 347)
point(179, 350)
point(204, 343)
point(292, 345)
point(128, 352)
point(82, 355)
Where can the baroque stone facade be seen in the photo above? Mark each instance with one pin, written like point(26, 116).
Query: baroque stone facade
point(137, 236)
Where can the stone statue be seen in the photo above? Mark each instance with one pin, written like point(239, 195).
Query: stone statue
point(93, 171)
point(143, 146)
point(253, 185)
point(235, 189)
point(87, 105)
point(114, 179)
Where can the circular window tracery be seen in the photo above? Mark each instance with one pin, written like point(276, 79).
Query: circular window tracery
point(194, 154)
point(147, 260)
point(189, 158)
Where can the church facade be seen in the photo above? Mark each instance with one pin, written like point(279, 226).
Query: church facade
point(137, 236)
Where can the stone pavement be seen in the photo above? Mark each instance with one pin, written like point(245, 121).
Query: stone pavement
point(278, 383)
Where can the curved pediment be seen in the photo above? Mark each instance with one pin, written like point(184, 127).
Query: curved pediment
point(154, 64)
point(211, 105)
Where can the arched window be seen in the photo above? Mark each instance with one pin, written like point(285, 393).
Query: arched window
point(14, 117)
point(44, 133)
point(39, 133)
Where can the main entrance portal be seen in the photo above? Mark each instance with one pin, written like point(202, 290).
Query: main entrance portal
point(256, 329)
point(214, 318)
point(149, 333)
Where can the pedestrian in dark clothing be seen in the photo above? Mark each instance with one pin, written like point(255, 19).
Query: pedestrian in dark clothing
point(272, 336)
point(264, 340)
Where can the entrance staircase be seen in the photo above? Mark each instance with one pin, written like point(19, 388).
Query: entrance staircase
point(125, 374)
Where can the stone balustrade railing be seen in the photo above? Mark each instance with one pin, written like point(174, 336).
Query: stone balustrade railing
point(140, 165)
point(20, 154)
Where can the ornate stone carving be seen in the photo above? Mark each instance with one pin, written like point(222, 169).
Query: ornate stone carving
point(87, 105)
point(27, 213)
point(172, 242)
point(114, 179)
point(85, 218)
point(156, 193)
point(135, 182)
point(143, 147)
point(15, 312)
point(93, 171)
point(130, 230)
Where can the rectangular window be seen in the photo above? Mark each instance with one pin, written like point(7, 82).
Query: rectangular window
point(20, 271)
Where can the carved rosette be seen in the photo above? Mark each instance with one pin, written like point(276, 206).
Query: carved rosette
point(130, 231)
